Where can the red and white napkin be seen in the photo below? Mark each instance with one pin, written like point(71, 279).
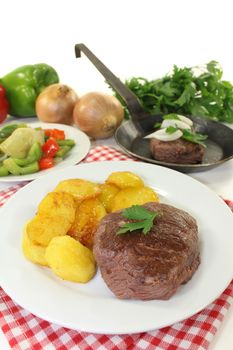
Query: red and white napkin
point(24, 331)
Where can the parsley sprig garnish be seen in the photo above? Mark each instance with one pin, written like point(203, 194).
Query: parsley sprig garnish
point(188, 135)
point(157, 125)
point(143, 217)
point(171, 129)
point(194, 137)
point(171, 116)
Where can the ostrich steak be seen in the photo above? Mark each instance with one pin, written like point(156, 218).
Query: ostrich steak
point(148, 266)
point(178, 151)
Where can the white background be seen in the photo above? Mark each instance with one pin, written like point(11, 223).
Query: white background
point(133, 38)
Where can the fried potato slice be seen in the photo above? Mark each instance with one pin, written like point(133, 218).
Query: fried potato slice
point(43, 227)
point(79, 188)
point(88, 215)
point(124, 179)
point(33, 252)
point(70, 260)
point(58, 204)
point(108, 191)
point(131, 196)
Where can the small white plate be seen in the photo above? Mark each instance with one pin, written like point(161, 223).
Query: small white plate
point(92, 307)
point(77, 153)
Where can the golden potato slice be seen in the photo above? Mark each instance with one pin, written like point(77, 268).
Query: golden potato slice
point(123, 179)
point(33, 252)
point(131, 196)
point(108, 191)
point(88, 215)
point(70, 260)
point(58, 204)
point(42, 228)
point(79, 188)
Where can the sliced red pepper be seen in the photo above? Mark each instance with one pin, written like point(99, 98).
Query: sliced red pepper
point(55, 133)
point(46, 163)
point(4, 104)
point(50, 148)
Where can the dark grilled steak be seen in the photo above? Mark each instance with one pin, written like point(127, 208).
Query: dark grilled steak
point(178, 151)
point(151, 266)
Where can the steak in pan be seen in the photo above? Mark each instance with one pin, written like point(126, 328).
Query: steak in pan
point(178, 151)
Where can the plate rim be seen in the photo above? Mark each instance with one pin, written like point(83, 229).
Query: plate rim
point(110, 164)
point(175, 166)
point(37, 123)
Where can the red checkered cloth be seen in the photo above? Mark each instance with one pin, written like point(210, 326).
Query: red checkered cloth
point(24, 331)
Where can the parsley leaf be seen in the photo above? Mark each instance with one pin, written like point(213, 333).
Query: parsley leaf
point(171, 129)
point(144, 219)
point(171, 116)
point(157, 125)
point(194, 137)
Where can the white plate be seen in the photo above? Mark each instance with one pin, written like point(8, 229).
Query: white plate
point(78, 152)
point(92, 307)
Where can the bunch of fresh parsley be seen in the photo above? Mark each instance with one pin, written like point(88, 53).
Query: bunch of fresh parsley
point(184, 92)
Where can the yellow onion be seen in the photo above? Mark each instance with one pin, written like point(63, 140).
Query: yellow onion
point(98, 114)
point(55, 104)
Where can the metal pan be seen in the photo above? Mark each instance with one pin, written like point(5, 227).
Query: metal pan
point(130, 135)
point(219, 144)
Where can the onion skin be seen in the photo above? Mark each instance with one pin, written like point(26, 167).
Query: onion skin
point(55, 104)
point(98, 114)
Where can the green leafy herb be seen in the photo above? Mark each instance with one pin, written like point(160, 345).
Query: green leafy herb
point(157, 125)
point(194, 137)
point(171, 129)
point(171, 116)
point(143, 219)
point(186, 93)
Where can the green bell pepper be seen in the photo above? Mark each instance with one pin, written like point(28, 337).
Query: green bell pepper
point(18, 144)
point(34, 154)
point(24, 84)
point(65, 147)
point(3, 171)
point(15, 169)
point(62, 152)
point(7, 130)
point(66, 142)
